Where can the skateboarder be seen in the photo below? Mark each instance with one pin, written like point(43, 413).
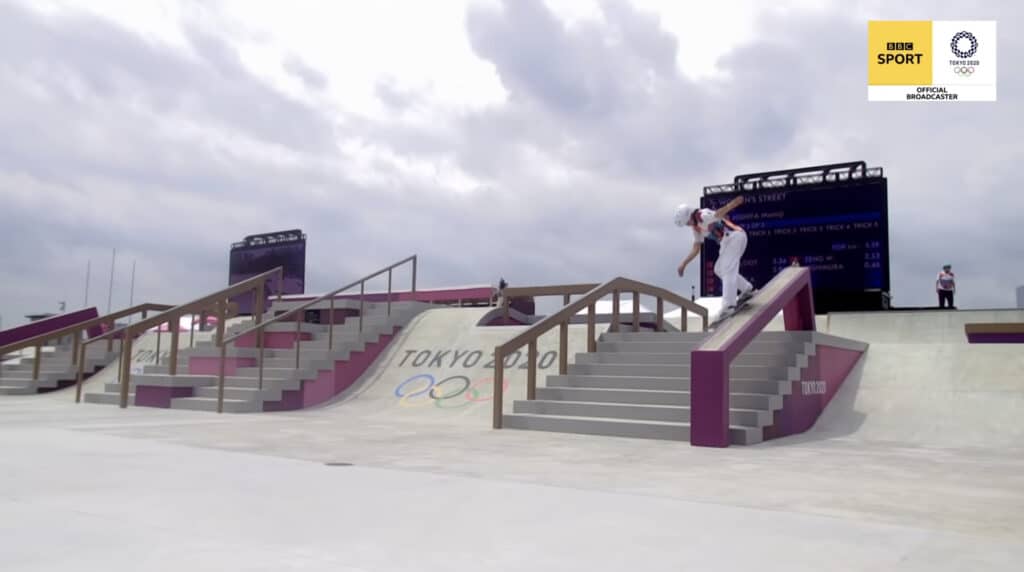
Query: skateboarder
point(732, 243)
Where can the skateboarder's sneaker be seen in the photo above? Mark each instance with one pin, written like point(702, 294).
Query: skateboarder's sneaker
point(745, 296)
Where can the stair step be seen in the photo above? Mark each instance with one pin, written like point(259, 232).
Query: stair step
point(663, 413)
point(109, 398)
point(680, 358)
point(620, 428)
point(678, 371)
point(241, 393)
point(652, 397)
point(737, 385)
point(669, 346)
point(210, 404)
point(16, 390)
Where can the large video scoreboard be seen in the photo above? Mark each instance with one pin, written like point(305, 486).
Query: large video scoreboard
point(259, 253)
point(833, 219)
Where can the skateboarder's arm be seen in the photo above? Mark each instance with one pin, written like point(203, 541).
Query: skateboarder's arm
point(697, 244)
point(721, 213)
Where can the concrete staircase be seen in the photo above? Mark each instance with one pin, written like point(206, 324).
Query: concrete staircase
point(55, 372)
point(281, 378)
point(637, 385)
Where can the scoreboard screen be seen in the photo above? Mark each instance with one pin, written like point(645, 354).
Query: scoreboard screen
point(839, 230)
point(260, 253)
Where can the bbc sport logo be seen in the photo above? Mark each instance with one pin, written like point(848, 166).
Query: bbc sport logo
point(931, 61)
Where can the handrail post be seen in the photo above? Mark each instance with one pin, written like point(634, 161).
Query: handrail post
point(202, 321)
point(110, 339)
point(615, 311)
point(362, 292)
point(81, 374)
point(174, 347)
point(563, 348)
point(280, 283)
point(298, 339)
point(591, 318)
point(126, 366)
point(389, 292)
point(414, 261)
point(499, 384)
point(36, 363)
point(660, 323)
point(158, 327)
point(261, 300)
point(531, 372)
point(636, 311)
point(330, 332)
point(504, 305)
point(76, 343)
point(191, 330)
point(222, 311)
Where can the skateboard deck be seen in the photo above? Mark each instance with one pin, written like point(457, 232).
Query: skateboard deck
point(741, 305)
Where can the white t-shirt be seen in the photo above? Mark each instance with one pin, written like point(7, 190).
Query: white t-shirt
point(947, 281)
point(709, 226)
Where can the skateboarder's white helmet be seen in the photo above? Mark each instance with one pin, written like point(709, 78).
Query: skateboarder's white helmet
point(683, 213)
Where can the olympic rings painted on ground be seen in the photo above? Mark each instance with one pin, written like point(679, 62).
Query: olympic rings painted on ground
point(442, 397)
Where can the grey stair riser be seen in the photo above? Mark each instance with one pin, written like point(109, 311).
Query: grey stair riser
point(678, 371)
point(762, 387)
point(636, 430)
point(339, 349)
point(51, 367)
point(756, 347)
point(670, 398)
point(210, 404)
point(668, 414)
point(277, 373)
point(268, 383)
point(107, 398)
point(241, 394)
point(304, 363)
point(681, 358)
point(16, 389)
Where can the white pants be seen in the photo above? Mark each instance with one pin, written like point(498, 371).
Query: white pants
point(727, 267)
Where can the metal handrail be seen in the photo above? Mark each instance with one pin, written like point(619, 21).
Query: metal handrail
point(562, 318)
point(218, 300)
point(260, 327)
point(75, 330)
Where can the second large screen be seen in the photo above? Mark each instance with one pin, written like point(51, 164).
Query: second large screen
point(839, 231)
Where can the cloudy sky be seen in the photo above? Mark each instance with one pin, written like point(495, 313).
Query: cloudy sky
point(543, 140)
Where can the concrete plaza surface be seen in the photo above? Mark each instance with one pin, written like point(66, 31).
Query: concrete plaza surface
point(95, 488)
point(917, 464)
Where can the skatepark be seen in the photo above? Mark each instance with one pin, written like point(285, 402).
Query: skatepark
point(388, 425)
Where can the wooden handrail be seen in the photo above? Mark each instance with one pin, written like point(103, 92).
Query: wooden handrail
point(331, 294)
point(552, 290)
point(562, 317)
point(77, 328)
point(260, 327)
point(173, 316)
point(564, 290)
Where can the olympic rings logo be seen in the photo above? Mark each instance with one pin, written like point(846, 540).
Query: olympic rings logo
point(444, 394)
point(963, 71)
point(954, 44)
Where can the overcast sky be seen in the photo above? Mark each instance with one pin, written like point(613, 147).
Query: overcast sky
point(543, 141)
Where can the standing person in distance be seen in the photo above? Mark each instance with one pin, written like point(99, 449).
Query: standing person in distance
point(945, 285)
point(732, 243)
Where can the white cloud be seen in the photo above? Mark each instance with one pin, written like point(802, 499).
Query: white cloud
point(493, 142)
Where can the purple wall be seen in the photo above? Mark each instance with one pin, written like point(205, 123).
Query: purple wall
point(33, 329)
point(819, 382)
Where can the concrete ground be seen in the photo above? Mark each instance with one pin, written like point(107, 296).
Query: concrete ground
point(93, 487)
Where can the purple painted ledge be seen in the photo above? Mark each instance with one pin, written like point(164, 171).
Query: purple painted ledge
point(790, 293)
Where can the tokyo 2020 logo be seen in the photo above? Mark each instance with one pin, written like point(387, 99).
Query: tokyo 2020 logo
point(954, 44)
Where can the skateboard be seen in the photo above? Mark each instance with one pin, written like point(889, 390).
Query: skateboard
point(741, 304)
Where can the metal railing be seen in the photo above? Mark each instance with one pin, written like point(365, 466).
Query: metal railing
point(76, 331)
point(562, 319)
point(218, 301)
point(260, 327)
